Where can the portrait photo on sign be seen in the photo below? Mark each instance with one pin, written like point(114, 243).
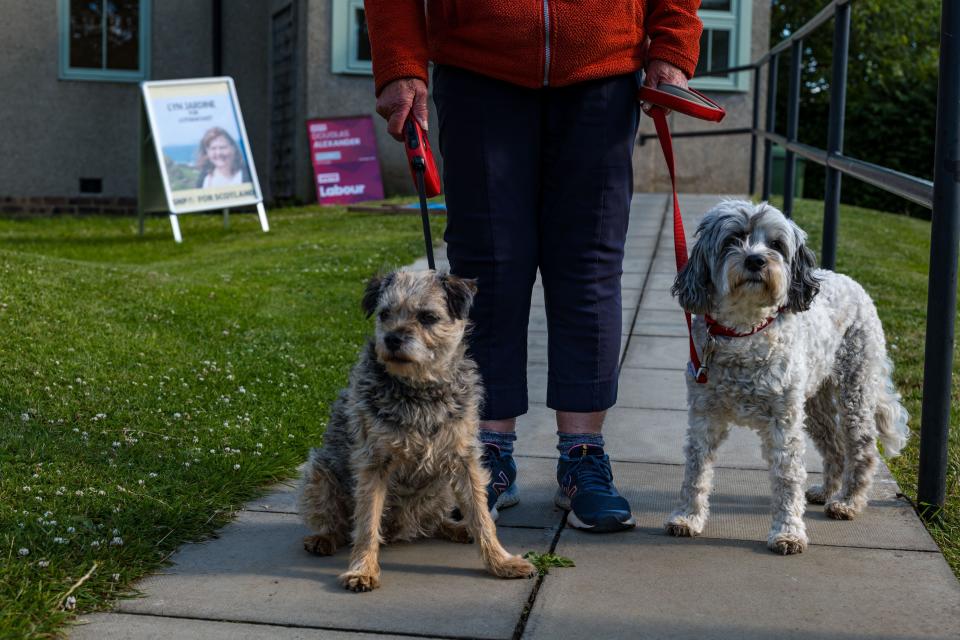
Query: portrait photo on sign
point(205, 157)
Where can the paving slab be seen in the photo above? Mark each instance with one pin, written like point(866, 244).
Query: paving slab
point(656, 352)
point(659, 301)
point(281, 498)
point(653, 389)
point(646, 435)
point(634, 585)
point(668, 323)
point(122, 626)
point(257, 571)
point(739, 505)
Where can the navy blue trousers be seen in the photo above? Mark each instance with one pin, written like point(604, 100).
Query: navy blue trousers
point(539, 179)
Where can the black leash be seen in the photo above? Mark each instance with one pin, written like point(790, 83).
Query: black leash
point(425, 176)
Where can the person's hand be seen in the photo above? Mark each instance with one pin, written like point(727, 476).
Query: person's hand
point(397, 100)
point(658, 71)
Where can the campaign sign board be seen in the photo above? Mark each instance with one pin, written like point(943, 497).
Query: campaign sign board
point(201, 146)
point(344, 156)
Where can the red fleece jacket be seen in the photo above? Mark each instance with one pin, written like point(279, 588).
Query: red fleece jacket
point(532, 43)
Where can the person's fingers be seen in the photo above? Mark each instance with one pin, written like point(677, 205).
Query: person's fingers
point(420, 109)
point(395, 123)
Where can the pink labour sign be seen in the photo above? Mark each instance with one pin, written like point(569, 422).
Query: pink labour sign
point(344, 155)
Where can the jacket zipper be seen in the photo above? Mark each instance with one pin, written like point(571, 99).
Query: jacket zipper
point(546, 42)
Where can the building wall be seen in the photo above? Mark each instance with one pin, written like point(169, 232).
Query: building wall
point(717, 164)
point(57, 131)
point(244, 58)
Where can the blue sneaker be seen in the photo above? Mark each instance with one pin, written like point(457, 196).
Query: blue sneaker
point(587, 491)
point(502, 491)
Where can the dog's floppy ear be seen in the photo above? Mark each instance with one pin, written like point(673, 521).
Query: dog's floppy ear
point(459, 292)
point(693, 285)
point(372, 293)
point(804, 284)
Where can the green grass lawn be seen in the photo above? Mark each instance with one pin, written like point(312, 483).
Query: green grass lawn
point(149, 389)
point(889, 255)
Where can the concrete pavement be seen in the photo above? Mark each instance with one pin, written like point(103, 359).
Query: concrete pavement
point(880, 576)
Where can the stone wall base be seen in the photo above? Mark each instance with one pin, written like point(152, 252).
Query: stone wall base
point(80, 205)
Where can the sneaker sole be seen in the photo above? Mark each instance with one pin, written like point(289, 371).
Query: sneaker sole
point(507, 499)
point(605, 525)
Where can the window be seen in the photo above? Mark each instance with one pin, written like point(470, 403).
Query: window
point(104, 40)
point(725, 43)
point(350, 41)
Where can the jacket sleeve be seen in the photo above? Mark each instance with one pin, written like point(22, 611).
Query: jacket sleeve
point(674, 30)
point(398, 40)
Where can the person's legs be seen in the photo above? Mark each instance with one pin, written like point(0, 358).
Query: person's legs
point(490, 144)
point(587, 186)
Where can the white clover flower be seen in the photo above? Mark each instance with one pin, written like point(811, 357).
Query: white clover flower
point(116, 532)
point(116, 443)
point(259, 445)
point(152, 474)
point(186, 464)
point(59, 540)
point(236, 466)
point(70, 604)
point(25, 417)
point(117, 541)
point(26, 488)
point(43, 564)
point(116, 577)
point(24, 551)
point(95, 544)
point(140, 482)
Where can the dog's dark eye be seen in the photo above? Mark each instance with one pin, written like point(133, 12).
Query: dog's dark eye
point(777, 246)
point(384, 314)
point(732, 241)
point(427, 318)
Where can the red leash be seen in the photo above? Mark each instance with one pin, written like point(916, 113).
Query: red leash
point(692, 103)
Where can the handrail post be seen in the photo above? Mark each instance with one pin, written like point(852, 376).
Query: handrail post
point(793, 121)
point(770, 124)
point(942, 290)
point(753, 134)
point(838, 106)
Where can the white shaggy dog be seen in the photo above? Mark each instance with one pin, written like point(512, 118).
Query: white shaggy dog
point(785, 347)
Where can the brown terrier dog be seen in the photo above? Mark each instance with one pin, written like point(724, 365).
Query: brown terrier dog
point(401, 448)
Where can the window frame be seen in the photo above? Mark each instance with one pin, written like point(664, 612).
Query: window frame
point(343, 45)
point(66, 72)
point(739, 22)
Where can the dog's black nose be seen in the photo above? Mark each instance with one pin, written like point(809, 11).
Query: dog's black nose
point(755, 262)
point(393, 341)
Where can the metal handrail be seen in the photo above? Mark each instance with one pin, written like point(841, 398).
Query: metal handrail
point(942, 196)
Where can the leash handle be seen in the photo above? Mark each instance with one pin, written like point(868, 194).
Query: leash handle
point(426, 178)
point(692, 103)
